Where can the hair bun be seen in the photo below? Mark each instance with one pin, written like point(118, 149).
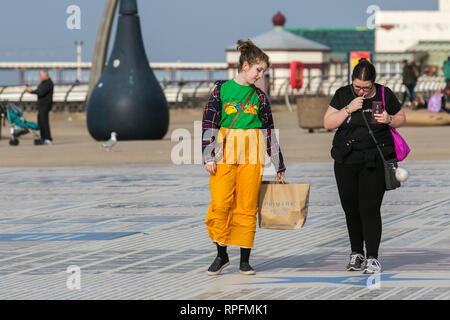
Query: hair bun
point(244, 45)
point(362, 60)
point(251, 54)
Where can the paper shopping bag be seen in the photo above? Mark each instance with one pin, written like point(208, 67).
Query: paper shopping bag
point(283, 205)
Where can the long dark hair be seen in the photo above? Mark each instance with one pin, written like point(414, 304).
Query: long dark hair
point(364, 71)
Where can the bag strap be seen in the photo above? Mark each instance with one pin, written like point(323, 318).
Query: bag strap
point(237, 115)
point(367, 123)
point(382, 94)
point(371, 134)
point(242, 108)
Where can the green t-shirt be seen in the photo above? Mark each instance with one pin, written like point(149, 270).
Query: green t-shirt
point(233, 96)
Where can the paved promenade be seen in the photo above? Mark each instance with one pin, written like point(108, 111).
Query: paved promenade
point(137, 232)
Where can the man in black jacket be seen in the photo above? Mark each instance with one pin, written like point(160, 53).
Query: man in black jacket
point(45, 100)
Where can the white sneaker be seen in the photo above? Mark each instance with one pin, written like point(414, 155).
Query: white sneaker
point(46, 141)
point(372, 266)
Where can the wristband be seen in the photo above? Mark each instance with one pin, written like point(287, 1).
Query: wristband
point(347, 109)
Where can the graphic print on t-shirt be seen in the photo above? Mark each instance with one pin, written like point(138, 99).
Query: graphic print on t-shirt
point(233, 107)
point(233, 97)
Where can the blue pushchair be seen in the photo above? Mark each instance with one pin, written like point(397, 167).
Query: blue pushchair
point(19, 125)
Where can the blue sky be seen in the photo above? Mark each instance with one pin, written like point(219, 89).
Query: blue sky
point(192, 30)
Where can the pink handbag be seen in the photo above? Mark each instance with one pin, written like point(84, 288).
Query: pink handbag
point(401, 147)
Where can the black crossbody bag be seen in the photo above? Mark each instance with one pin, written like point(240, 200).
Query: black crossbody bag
point(389, 165)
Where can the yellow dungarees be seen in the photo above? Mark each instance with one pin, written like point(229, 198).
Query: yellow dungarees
point(231, 217)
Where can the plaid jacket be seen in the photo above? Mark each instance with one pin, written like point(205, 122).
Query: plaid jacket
point(211, 118)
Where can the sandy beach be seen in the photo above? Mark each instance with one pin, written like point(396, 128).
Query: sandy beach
point(73, 146)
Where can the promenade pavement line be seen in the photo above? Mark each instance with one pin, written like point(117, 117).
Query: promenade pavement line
point(330, 293)
point(418, 211)
point(443, 296)
point(149, 260)
point(358, 292)
point(296, 292)
point(288, 253)
point(331, 285)
point(70, 247)
point(390, 293)
point(424, 243)
point(261, 294)
point(90, 203)
point(432, 295)
point(285, 293)
point(308, 293)
point(62, 261)
point(110, 283)
point(193, 239)
point(116, 257)
point(204, 277)
point(431, 240)
point(227, 273)
point(407, 292)
point(344, 293)
point(419, 293)
point(82, 245)
point(318, 239)
point(440, 292)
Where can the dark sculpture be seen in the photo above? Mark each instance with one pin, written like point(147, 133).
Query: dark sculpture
point(128, 99)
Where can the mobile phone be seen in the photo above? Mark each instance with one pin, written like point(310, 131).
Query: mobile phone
point(377, 108)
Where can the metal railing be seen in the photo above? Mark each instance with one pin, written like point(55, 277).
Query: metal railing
point(194, 93)
point(321, 86)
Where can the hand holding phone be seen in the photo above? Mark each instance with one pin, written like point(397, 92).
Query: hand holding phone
point(377, 108)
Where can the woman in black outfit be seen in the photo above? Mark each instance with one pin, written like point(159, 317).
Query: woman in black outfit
point(358, 167)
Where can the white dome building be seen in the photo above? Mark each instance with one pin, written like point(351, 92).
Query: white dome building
point(283, 47)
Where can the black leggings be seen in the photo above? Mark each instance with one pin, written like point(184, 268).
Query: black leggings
point(361, 191)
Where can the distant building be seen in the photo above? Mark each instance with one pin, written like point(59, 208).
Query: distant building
point(423, 36)
point(420, 36)
point(341, 41)
point(283, 47)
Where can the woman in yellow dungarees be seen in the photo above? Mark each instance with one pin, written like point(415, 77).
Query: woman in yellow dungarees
point(236, 169)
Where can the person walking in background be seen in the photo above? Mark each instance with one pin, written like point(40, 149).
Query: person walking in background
point(410, 75)
point(358, 167)
point(234, 183)
point(438, 101)
point(447, 72)
point(44, 104)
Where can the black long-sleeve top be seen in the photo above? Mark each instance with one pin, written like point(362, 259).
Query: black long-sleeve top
point(45, 93)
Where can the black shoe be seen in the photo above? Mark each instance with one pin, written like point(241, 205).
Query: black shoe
point(218, 265)
point(245, 268)
point(356, 262)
